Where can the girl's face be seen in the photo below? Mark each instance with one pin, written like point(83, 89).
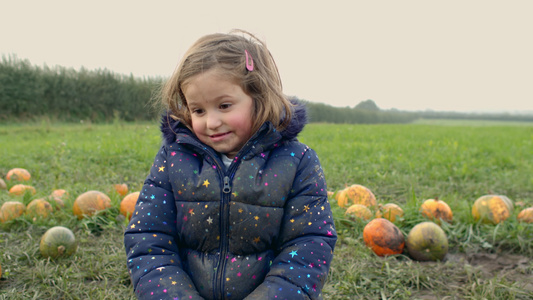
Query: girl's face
point(221, 112)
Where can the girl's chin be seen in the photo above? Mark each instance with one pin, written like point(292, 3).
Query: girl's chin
point(226, 150)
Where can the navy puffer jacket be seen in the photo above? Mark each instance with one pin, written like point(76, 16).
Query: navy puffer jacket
point(260, 229)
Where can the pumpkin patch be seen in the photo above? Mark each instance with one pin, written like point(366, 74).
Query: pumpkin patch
point(399, 166)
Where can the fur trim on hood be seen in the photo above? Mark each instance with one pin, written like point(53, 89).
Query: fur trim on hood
point(170, 127)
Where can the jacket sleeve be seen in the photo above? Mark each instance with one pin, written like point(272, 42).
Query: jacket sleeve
point(307, 238)
point(150, 240)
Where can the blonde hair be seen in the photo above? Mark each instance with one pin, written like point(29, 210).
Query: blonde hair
point(226, 52)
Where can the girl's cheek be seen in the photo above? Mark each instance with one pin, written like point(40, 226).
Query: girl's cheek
point(196, 127)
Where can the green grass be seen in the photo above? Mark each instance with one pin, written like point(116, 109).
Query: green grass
point(466, 122)
point(405, 164)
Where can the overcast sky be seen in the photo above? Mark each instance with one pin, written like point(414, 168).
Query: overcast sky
point(455, 55)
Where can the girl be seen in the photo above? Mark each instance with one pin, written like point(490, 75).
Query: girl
point(234, 206)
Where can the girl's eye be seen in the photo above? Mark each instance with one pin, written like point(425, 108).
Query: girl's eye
point(225, 106)
point(197, 111)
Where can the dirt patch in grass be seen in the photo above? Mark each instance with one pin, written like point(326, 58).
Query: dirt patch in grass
point(514, 269)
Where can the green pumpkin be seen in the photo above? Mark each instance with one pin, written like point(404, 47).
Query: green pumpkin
point(427, 242)
point(57, 242)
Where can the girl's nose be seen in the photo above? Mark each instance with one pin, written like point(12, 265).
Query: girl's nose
point(213, 121)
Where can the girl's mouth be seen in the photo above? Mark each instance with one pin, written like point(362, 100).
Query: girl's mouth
point(219, 136)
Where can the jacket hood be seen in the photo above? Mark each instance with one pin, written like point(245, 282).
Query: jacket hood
point(170, 127)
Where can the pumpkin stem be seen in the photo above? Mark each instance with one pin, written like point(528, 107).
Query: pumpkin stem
point(61, 250)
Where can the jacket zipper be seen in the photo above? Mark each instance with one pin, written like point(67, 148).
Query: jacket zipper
point(224, 242)
point(227, 176)
point(224, 226)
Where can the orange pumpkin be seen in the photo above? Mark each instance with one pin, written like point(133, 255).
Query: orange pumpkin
point(39, 208)
point(342, 198)
point(427, 242)
point(18, 174)
point(383, 237)
point(358, 194)
point(389, 211)
point(127, 205)
point(492, 209)
point(526, 215)
point(59, 193)
point(11, 210)
point(89, 203)
point(57, 202)
point(20, 189)
point(359, 211)
point(121, 189)
point(436, 210)
point(58, 197)
point(3, 185)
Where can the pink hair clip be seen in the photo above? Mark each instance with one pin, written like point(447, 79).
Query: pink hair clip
point(249, 61)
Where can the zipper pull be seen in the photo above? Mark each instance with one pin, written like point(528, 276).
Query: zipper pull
point(227, 188)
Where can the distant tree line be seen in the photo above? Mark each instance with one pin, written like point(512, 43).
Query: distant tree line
point(29, 92)
point(365, 112)
point(476, 116)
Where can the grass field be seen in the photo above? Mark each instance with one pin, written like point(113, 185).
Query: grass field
point(404, 164)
